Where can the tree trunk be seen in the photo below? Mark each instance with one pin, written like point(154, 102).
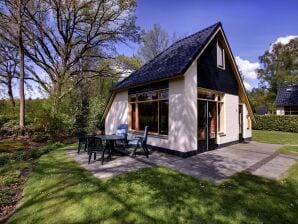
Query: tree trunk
point(9, 92)
point(56, 97)
point(22, 68)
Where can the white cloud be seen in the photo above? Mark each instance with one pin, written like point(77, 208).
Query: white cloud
point(247, 85)
point(247, 68)
point(283, 40)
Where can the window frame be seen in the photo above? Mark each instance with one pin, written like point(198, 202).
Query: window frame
point(219, 98)
point(290, 110)
point(137, 101)
point(219, 48)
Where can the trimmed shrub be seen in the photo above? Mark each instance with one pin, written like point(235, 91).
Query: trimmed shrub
point(286, 123)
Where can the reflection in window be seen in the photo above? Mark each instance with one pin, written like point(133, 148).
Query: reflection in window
point(163, 117)
point(150, 108)
point(218, 98)
point(291, 110)
point(133, 116)
point(148, 114)
point(220, 56)
point(147, 96)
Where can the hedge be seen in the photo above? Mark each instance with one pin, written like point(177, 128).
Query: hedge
point(286, 123)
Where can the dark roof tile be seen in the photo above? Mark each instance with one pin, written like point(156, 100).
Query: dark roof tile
point(171, 62)
point(287, 96)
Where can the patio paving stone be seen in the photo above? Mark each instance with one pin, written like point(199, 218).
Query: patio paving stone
point(258, 158)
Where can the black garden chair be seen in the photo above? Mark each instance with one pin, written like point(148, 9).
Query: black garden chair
point(82, 142)
point(140, 142)
point(95, 145)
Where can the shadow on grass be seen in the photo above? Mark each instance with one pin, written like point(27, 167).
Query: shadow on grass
point(59, 191)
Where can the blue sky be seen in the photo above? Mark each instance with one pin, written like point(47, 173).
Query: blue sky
point(250, 26)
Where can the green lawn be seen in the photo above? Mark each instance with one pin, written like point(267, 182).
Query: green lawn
point(291, 150)
point(59, 191)
point(14, 169)
point(275, 137)
point(11, 145)
point(11, 183)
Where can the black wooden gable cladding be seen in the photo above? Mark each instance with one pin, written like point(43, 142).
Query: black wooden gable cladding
point(172, 62)
point(212, 77)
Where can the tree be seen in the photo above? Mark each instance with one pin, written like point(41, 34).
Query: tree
point(280, 67)
point(64, 34)
point(20, 9)
point(8, 68)
point(258, 97)
point(59, 35)
point(12, 18)
point(128, 63)
point(153, 43)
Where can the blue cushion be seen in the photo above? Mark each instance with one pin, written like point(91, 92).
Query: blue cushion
point(122, 126)
point(121, 132)
point(133, 142)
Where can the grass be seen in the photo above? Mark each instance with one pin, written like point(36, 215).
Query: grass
point(290, 150)
point(14, 168)
point(275, 137)
point(59, 191)
point(10, 145)
point(11, 184)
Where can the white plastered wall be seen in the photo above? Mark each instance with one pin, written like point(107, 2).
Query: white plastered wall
point(247, 123)
point(231, 114)
point(117, 113)
point(280, 111)
point(182, 134)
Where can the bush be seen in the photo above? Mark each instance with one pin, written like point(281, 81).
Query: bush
point(35, 153)
point(286, 123)
point(48, 126)
point(3, 120)
point(10, 128)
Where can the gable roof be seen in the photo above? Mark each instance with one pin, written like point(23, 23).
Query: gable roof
point(175, 60)
point(287, 96)
point(171, 62)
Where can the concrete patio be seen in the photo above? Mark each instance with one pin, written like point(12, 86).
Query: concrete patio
point(258, 158)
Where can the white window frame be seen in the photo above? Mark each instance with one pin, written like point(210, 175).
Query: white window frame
point(219, 48)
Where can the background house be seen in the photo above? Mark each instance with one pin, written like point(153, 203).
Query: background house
point(287, 100)
point(191, 95)
point(261, 110)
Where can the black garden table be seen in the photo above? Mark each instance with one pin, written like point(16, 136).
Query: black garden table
point(110, 142)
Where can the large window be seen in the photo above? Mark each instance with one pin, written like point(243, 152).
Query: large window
point(292, 110)
point(150, 109)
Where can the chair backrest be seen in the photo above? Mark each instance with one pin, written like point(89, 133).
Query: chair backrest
point(94, 143)
point(122, 130)
point(145, 134)
point(81, 134)
point(82, 138)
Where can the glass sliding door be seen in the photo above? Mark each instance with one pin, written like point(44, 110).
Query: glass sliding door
point(240, 123)
point(202, 126)
point(212, 125)
point(207, 125)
